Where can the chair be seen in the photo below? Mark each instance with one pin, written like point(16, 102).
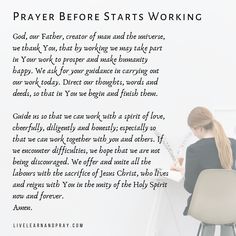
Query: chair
point(214, 198)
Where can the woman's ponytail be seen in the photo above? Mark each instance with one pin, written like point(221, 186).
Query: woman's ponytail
point(223, 146)
point(202, 117)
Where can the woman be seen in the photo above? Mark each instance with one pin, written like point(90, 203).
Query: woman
point(213, 150)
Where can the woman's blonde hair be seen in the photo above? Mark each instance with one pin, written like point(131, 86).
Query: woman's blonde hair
point(202, 117)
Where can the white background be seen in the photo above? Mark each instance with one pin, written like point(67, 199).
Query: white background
point(197, 68)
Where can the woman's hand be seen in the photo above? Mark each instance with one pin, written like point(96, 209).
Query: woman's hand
point(178, 166)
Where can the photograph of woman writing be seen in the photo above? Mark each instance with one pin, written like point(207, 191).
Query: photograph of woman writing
point(213, 150)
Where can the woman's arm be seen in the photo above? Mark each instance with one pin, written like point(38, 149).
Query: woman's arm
point(192, 169)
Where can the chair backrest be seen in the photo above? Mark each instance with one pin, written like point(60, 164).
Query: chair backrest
point(214, 197)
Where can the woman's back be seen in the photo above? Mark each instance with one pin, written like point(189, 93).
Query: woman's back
point(203, 155)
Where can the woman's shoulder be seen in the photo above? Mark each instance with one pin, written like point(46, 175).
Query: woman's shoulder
point(200, 147)
point(202, 142)
point(208, 144)
point(232, 140)
point(233, 143)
